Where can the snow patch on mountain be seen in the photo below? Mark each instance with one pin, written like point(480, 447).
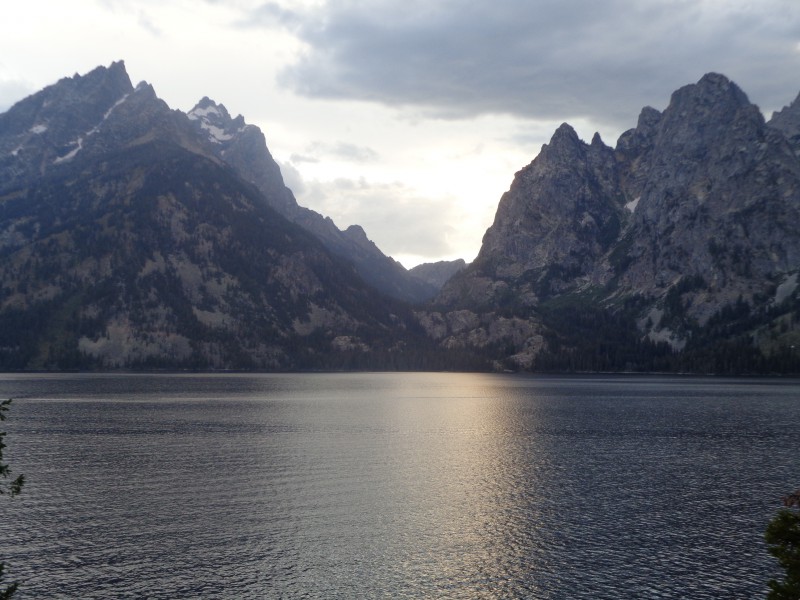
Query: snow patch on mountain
point(71, 154)
point(631, 206)
point(214, 120)
point(200, 113)
point(78, 143)
point(215, 134)
point(115, 105)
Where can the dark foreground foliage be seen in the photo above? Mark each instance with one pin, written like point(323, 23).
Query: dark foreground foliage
point(783, 539)
point(11, 489)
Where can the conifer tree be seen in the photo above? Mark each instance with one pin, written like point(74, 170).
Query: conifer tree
point(10, 489)
point(783, 538)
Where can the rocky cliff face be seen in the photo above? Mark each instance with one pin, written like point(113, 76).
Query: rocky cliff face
point(693, 214)
point(127, 240)
point(717, 197)
point(559, 217)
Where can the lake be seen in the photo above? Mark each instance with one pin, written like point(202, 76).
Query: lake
point(383, 485)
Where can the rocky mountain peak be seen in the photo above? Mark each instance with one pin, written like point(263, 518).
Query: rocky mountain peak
point(635, 142)
point(712, 100)
point(244, 148)
point(553, 224)
point(648, 119)
point(357, 234)
point(215, 120)
point(146, 90)
point(564, 145)
point(788, 114)
point(718, 86)
point(114, 77)
point(58, 123)
point(707, 159)
point(207, 105)
point(787, 121)
point(70, 105)
point(565, 133)
point(111, 81)
point(708, 134)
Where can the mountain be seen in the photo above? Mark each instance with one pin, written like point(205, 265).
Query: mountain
point(137, 236)
point(437, 273)
point(127, 240)
point(678, 249)
point(244, 148)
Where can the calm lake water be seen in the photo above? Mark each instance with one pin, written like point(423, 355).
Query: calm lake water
point(395, 485)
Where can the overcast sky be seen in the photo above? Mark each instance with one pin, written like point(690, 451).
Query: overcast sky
point(411, 117)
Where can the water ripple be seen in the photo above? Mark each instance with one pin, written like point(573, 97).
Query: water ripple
point(395, 486)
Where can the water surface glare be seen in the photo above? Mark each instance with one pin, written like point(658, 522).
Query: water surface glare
point(395, 485)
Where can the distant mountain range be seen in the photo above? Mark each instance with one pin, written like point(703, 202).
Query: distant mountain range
point(136, 236)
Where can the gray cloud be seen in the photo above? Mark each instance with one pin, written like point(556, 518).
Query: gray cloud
point(269, 14)
point(12, 91)
point(344, 151)
point(545, 59)
point(303, 158)
point(317, 152)
point(292, 178)
point(146, 23)
point(140, 10)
